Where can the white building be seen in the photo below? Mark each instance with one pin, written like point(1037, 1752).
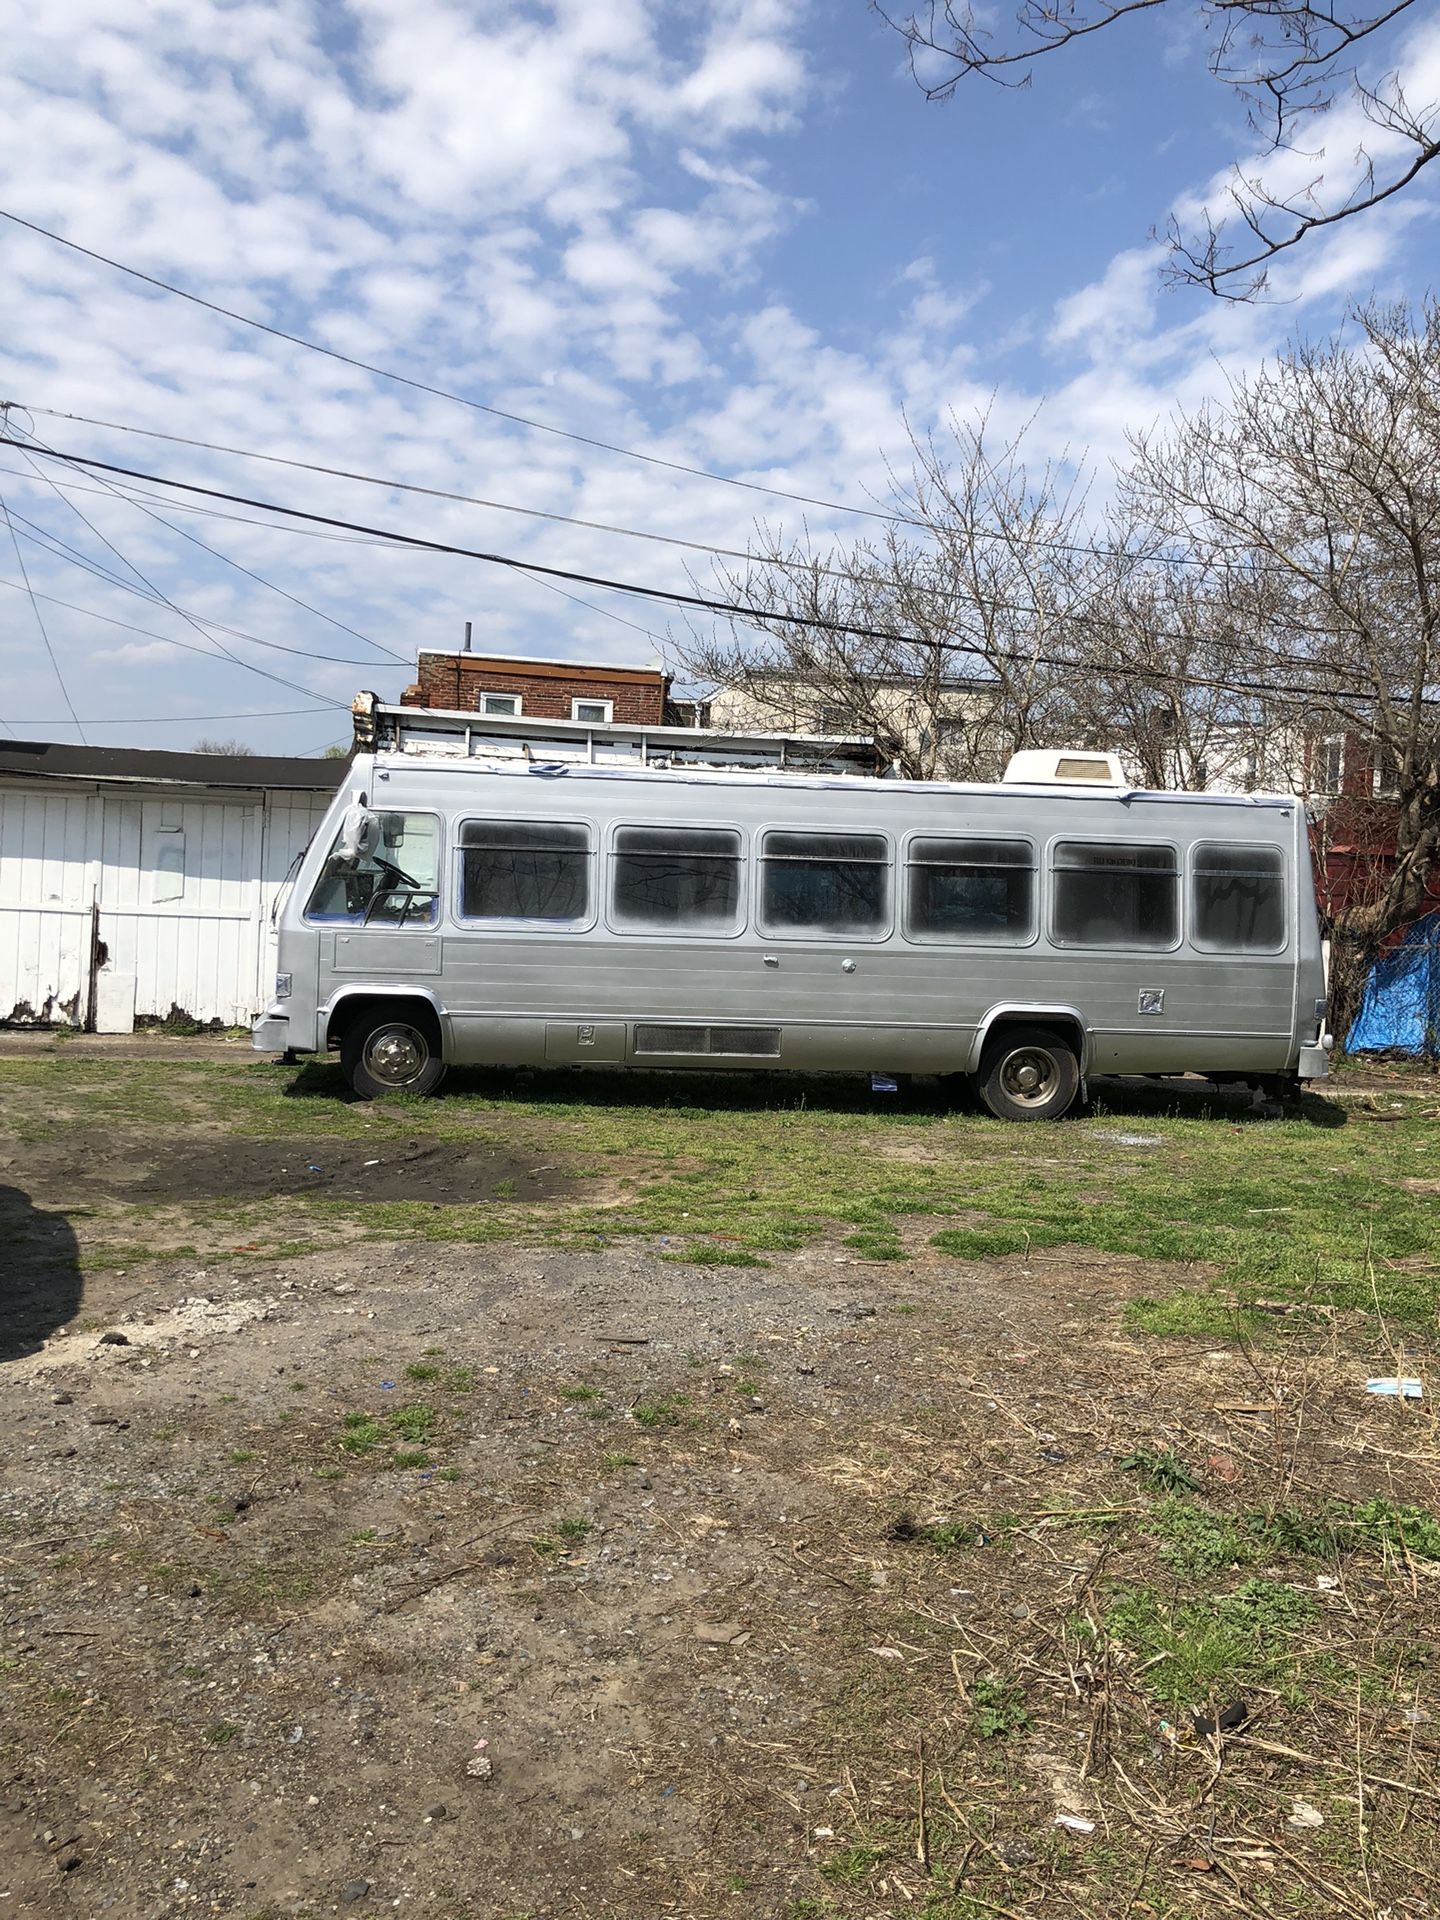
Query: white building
point(137, 886)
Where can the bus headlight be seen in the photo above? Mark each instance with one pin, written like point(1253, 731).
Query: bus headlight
point(283, 984)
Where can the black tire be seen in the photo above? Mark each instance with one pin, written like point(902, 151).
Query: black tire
point(1028, 1073)
point(391, 1051)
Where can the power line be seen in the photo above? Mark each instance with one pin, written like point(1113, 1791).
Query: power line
point(134, 499)
point(442, 393)
point(149, 633)
point(185, 719)
point(40, 622)
point(737, 610)
point(698, 546)
point(194, 506)
point(410, 486)
point(249, 666)
point(310, 533)
point(249, 573)
point(498, 413)
point(1092, 549)
point(59, 549)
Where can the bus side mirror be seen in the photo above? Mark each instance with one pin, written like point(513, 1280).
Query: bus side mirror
point(359, 835)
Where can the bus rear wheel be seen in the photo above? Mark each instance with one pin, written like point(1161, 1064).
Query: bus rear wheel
point(1028, 1073)
point(391, 1052)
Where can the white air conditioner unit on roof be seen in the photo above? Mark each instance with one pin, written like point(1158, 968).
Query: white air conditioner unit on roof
point(1069, 767)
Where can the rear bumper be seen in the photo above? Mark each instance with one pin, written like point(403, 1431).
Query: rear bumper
point(1315, 1061)
point(270, 1033)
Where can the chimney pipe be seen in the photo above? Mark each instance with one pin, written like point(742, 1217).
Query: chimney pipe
point(467, 636)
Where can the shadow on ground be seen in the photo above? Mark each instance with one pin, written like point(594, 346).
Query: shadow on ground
point(40, 1283)
point(719, 1092)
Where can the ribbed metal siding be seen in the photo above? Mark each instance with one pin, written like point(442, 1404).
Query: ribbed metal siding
point(207, 948)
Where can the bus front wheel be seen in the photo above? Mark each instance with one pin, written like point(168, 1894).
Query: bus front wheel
point(391, 1052)
point(1028, 1073)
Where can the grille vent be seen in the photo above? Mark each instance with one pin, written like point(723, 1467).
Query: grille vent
point(746, 1042)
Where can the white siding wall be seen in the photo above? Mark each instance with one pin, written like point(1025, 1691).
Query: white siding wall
point(44, 905)
point(184, 881)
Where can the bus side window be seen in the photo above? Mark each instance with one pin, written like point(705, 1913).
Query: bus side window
point(970, 890)
point(1121, 895)
point(524, 870)
point(1238, 898)
point(396, 885)
point(825, 883)
point(677, 877)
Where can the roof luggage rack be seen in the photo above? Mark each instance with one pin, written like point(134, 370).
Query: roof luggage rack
point(439, 733)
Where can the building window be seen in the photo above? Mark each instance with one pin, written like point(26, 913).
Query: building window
point(1329, 765)
point(825, 883)
point(676, 877)
point(1115, 896)
point(970, 890)
point(524, 870)
point(600, 712)
point(167, 864)
point(387, 876)
point(1239, 899)
point(501, 706)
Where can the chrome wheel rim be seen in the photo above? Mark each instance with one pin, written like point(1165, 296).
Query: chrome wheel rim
point(1029, 1076)
point(396, 1056)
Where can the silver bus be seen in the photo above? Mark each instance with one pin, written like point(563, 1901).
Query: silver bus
point(507, 910)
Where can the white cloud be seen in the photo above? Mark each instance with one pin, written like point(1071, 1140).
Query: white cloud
point(575, 212)
point(1113, 309)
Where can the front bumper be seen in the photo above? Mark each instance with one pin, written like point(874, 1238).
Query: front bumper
point(270, 1033)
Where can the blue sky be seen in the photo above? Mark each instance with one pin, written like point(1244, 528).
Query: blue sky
point(733, 234)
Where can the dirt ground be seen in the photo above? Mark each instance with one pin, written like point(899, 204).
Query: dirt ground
point(490, 1581)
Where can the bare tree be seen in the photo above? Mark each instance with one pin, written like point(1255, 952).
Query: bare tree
point(946, 640)
point(1322, 473)
point(233, 747)
point(1168, 670)
point(1288, 60)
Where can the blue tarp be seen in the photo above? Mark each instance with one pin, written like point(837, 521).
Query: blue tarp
point(1401, 1008)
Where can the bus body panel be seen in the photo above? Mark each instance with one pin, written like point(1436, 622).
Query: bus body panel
point(523, 994)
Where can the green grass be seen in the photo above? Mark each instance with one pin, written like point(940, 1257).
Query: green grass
point(414, 1423)
point(851, 1866)
point(710, 1253)
point(945, 1536)
point(876, 1246)
point(1309, 1210)
point(373, 1435)
point(997, 1707)
point(1206, 1647)
point(1198, 1540)
point(565, 1534)
point(1166, 1472)
point(665, 1410)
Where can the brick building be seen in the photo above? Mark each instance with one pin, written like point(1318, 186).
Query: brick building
point(502, 687)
